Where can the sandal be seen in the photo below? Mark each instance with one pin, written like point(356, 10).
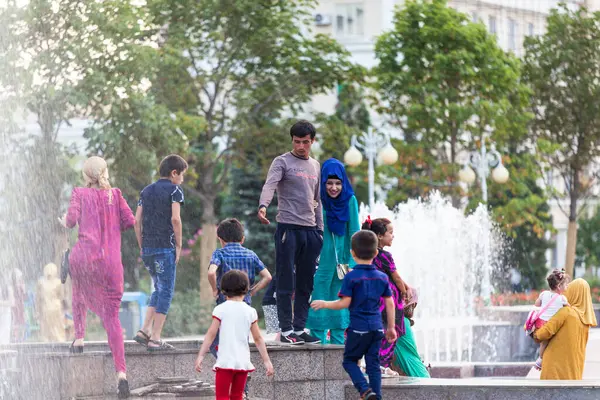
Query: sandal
point(75, 349)
point(161, 345)
point(388, 373)
point(142, 339)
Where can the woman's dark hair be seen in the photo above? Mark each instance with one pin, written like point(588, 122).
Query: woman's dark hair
point(231, 230)
point(235, 283)
point(364, 244)
point(556, 278)
point(378, 225)
point(170, 163)
point(302, 129)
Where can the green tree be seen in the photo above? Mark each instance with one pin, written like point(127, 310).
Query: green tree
point(220, 69)
point(588, 243)
point(441, 80)
point(335, 132)
point(49, 49)
point(561, 67)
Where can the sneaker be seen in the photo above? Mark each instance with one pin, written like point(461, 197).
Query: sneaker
point(369, 395)
point(292, 338)
point(309, 339)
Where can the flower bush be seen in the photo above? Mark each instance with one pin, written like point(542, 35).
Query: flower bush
point(526, 298)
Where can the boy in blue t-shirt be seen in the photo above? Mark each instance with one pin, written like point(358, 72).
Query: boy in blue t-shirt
point(159, 233)
point(362, 288)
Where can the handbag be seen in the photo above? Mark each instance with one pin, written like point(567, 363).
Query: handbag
point(409, 308)
point(64, 266)
point(533, 316)
point(341, 269)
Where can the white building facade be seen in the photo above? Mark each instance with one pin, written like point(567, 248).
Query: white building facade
point(356, 25)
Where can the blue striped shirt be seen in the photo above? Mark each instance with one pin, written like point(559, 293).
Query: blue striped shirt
point(235, 256)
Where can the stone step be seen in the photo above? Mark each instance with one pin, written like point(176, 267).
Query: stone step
point(484, 389)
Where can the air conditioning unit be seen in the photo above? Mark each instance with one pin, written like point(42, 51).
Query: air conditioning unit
point(322, 19)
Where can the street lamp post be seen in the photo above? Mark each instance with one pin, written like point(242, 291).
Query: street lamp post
point(483, 162)
point(370, 142)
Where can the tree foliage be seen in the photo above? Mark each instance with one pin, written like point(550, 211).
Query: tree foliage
point(220, 75)
point(441, 79)
point(562, 68)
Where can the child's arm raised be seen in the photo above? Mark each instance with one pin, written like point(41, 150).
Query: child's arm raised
point(342, 303)
point(262, 348)
point(208, 339)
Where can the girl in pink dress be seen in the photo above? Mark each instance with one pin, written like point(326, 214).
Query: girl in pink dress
point(95, 261)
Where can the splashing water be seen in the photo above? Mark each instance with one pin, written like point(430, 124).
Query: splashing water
point(450, 259)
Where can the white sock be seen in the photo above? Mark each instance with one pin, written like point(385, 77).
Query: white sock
point(298, 332)
point(286, 333)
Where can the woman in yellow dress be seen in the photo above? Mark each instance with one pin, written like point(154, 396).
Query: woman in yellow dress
point(568, 332)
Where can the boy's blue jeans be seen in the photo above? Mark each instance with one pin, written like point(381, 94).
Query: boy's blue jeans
point(160, 263)
point(365, 344)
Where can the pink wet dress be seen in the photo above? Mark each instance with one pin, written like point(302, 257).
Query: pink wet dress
point(95, 261)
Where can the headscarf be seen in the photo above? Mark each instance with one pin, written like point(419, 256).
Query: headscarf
point(337, 210)
point(95, 173)
point(578, 295)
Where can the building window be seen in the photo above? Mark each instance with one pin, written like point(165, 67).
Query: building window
point(512, 34)
point(530, 29)
point(474, 17)
point(349, 20)
point(492, 25)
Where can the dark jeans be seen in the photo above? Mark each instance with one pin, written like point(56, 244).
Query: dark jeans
point(296, 251)
point(358, 345)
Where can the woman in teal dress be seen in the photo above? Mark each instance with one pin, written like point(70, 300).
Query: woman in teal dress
point(340, 216)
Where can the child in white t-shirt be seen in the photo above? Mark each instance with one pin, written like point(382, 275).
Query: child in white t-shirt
point(557, 281)
point(236, 320)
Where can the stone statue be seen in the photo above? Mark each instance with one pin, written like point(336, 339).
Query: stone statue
point(49, 306)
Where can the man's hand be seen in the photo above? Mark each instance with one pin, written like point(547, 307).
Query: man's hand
point(262, 216)
point(215, 293)
point(199, 363)
point(318, 304)
point(269, 367)
point(390, 334)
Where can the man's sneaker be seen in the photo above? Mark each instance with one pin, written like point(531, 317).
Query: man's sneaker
point(292, 338)
point(309, 339)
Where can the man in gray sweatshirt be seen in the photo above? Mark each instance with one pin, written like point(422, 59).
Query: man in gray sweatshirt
point(299, 235)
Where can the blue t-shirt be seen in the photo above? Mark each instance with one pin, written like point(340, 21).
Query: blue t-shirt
point(236, 256)
point(366, 286)
point(156, 200)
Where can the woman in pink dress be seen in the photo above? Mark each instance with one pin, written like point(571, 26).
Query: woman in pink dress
point(95, 261)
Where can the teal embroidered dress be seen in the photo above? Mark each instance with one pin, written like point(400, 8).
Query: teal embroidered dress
point(327, 284)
